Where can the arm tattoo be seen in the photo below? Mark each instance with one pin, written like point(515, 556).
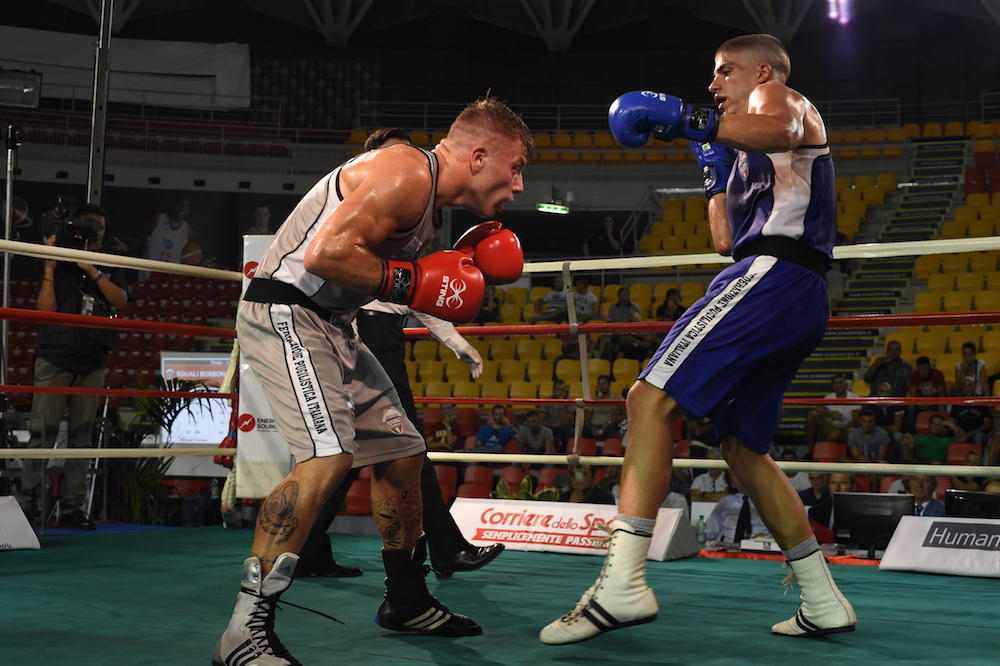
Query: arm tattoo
point(277, 517)
point(398, 518)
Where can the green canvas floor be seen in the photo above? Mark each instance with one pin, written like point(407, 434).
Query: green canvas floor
point(163, 597)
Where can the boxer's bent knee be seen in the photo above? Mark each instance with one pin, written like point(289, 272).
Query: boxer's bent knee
point(647, 401)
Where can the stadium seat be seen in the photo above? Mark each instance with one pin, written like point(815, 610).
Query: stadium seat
point(539, 370)
point(437, 389)
point(932, 131)
point(523, 390)
point(987, 301)
point(612, 447)
point(829, 451)
point(924, 417)
point(467, 422)
point(431, 371)
point(970, 282)
point(625, 369)
point(512, 474)
point(588, 446)
point(511, 313)
point(957, 451)
point(887, 481)
point(957, 301)
point(424, 350)
point(941, 282)
point(512, 370)
point(568, 369)
point(465, 390)
point(474, 491)
point(927, 265)
point(494, 391)
point(954, 263)
point(596, 367)
point(501, 349)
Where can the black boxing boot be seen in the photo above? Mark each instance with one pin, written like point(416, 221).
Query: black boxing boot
point(409, 607)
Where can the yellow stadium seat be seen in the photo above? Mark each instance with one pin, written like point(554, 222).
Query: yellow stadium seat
point(946, 364)
point(966, 213)
point(420, 138)
point(430, 370)
point(655, 156)
point(660, 290)
point(980, 228)
point(978, 129)
point(641, 293)
point(527, 349)
point(437, 136)
point(870, 153)
point(836, 136)
point(982, 262)
point(876, 135)
point(861, 388)
point(501, 349)
point(977, 200)
point(991, 212)
point(543, 140)
point(515, 296)
point(895, 135)
point(928, 301)
point(954, 229)
point(569, 156)
point(847, 153)
point(437, 389)
point(494, 391)
point(993, 280)
point(424, 350)
point(604, 140)
point(491, 370)
point(568, 369)
point(957, 301)
point(987, 301)
point(911, 130)
point(892, 152)
point(456, 370)
point(932, 131)
point(538, 292)
point(990, 340)
point(590, 156)
point(986, 146)
point(551, 348)
point(539, 370)
point(873, 195)
point(465, 390)
point(852, 194)
point(611, 156)
point(864, 181)
point(583, 139)
point(598, 366)
point(941, 282)
point(418, 388)
point(954, 263)
point(691, 292)
point(854, 136)
point(562, 140)
point(610, 292)
point(886, 181)
point(927, 265)
point(932, 342)
point(971, 282)
point(510, 314)
point(625, 369)
point(548, 156)
point(650, 244)
point(954, 128)
point(672, 244)
point(523, 390)
point(907, 340)
point(358, 136)
point(512, 370)
point(842, 183)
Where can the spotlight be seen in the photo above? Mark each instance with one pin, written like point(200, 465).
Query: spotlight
point(554, 206)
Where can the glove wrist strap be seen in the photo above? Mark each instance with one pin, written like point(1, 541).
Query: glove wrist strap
point(398, 281)
point(700, 124)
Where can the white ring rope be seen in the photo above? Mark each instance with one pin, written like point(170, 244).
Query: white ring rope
point(41, 251)
point(533, 459)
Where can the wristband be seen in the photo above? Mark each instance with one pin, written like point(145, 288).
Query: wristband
point(397, 281)
point(100, 276)
point(45, 279)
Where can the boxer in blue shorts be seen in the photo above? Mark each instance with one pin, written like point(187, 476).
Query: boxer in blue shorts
point(733, 354)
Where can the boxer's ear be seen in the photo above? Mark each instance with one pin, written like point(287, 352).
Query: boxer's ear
point(477, 158)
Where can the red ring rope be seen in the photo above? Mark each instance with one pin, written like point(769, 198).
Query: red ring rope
point(143, 325)
point(125, 393)
point(606, 402)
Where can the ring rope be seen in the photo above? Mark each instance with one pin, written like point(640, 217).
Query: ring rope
point(115, 392)
point(539, 459)
point(612, 402)
point(117, 323)
point(41, 251)
point(861, 251)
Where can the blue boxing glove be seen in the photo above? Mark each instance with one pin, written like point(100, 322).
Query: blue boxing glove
point(716, 162)
point(637, 114)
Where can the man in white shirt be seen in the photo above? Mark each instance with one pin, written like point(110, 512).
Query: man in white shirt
point(711, 486)
point(830, 423)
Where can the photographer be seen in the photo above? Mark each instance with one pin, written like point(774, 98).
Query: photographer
point(71, 356)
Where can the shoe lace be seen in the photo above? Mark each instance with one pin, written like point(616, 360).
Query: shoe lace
point(789, 578)
point(261, 623)
point(588, 595)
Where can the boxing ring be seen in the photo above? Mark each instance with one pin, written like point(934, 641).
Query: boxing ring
point(161, 595)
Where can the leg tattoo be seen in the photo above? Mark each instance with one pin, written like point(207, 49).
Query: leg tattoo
point(277, 517)
point(398, 518)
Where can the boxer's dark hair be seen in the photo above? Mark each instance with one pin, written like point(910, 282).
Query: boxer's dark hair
point(766, 47)
point(492, 115)
point(383, 134)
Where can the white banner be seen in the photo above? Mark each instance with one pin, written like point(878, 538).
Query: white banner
point(956, 546)
point(563, 527)
point(143, 71)
point(263, 457)
point(15, 531)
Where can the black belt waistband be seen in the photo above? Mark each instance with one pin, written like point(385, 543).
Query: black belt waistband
point(264, 290)
point(788, 249)
point(390, 316)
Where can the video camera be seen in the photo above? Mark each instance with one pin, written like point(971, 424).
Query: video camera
point(75, 232)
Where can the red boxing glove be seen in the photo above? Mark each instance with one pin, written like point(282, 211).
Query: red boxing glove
point(445, 284)
point(496, 251)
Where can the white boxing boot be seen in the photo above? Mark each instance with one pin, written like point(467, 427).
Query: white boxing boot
point(618, 598)
point(824, 610)
point(249, 639)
